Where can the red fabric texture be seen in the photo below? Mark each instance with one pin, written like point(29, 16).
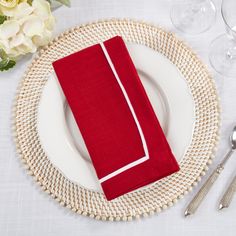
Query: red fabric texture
point(105, 120)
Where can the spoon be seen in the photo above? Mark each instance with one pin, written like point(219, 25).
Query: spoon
point(195, 203)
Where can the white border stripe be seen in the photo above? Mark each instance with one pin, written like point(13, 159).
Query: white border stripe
point(146, 157)
point(124, 168)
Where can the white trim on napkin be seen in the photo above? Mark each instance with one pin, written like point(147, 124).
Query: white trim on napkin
point(146, 157)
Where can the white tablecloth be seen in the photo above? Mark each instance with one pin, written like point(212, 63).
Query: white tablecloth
point(26, 210)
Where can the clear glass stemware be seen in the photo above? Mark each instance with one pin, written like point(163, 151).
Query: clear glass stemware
point(223, 49)
point(193, 16)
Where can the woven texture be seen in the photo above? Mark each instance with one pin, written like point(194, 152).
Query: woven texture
point(163, 193)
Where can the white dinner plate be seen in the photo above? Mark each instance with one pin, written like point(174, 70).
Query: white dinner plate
point(167, 90)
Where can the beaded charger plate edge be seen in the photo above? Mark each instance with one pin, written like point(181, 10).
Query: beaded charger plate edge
point(163, 193)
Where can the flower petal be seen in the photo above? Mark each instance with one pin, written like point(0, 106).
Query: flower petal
point(4, 44)
point(17, 40)
point(33, 26)
point(7, 11)
point(9, 3)
point(41, 8)
point(27, 46)
point(41, 40)
point(9, 29)
point(50, 23)
point(22, 10)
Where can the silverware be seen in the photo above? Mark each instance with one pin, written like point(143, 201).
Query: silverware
point(228, 195)
point(196, 201)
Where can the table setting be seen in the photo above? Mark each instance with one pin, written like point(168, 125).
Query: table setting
point(121, 117)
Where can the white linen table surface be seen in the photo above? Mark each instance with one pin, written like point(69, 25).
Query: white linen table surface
point(26, 210)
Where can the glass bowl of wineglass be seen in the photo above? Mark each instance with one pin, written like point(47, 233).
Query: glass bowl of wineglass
point(222, 54)
point(193, 16)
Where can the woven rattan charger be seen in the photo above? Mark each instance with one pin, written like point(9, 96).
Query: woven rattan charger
point(163, 193)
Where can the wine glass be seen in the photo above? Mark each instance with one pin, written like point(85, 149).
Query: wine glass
point(223, 49)
point(193, 16)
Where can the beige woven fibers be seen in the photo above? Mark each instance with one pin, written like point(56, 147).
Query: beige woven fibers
point(163, 193)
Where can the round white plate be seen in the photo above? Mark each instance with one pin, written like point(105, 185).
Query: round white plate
point(167, 91)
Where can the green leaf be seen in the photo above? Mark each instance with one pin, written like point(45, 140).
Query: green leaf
point(64, 2)
point(5, 62)
point(30, 2)
point(2, 19)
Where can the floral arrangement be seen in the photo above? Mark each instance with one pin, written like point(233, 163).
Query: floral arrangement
point(25, 25)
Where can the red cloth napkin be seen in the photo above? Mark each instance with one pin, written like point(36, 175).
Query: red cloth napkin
point(120, 129)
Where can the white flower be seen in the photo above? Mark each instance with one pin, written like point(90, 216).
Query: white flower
point(27, 27)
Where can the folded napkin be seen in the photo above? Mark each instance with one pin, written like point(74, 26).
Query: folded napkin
point(118, 124)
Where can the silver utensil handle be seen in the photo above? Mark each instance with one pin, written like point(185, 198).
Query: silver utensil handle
point(228, 195)
point(194, 204)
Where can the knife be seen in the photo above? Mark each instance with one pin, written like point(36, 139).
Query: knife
point(228, 195)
